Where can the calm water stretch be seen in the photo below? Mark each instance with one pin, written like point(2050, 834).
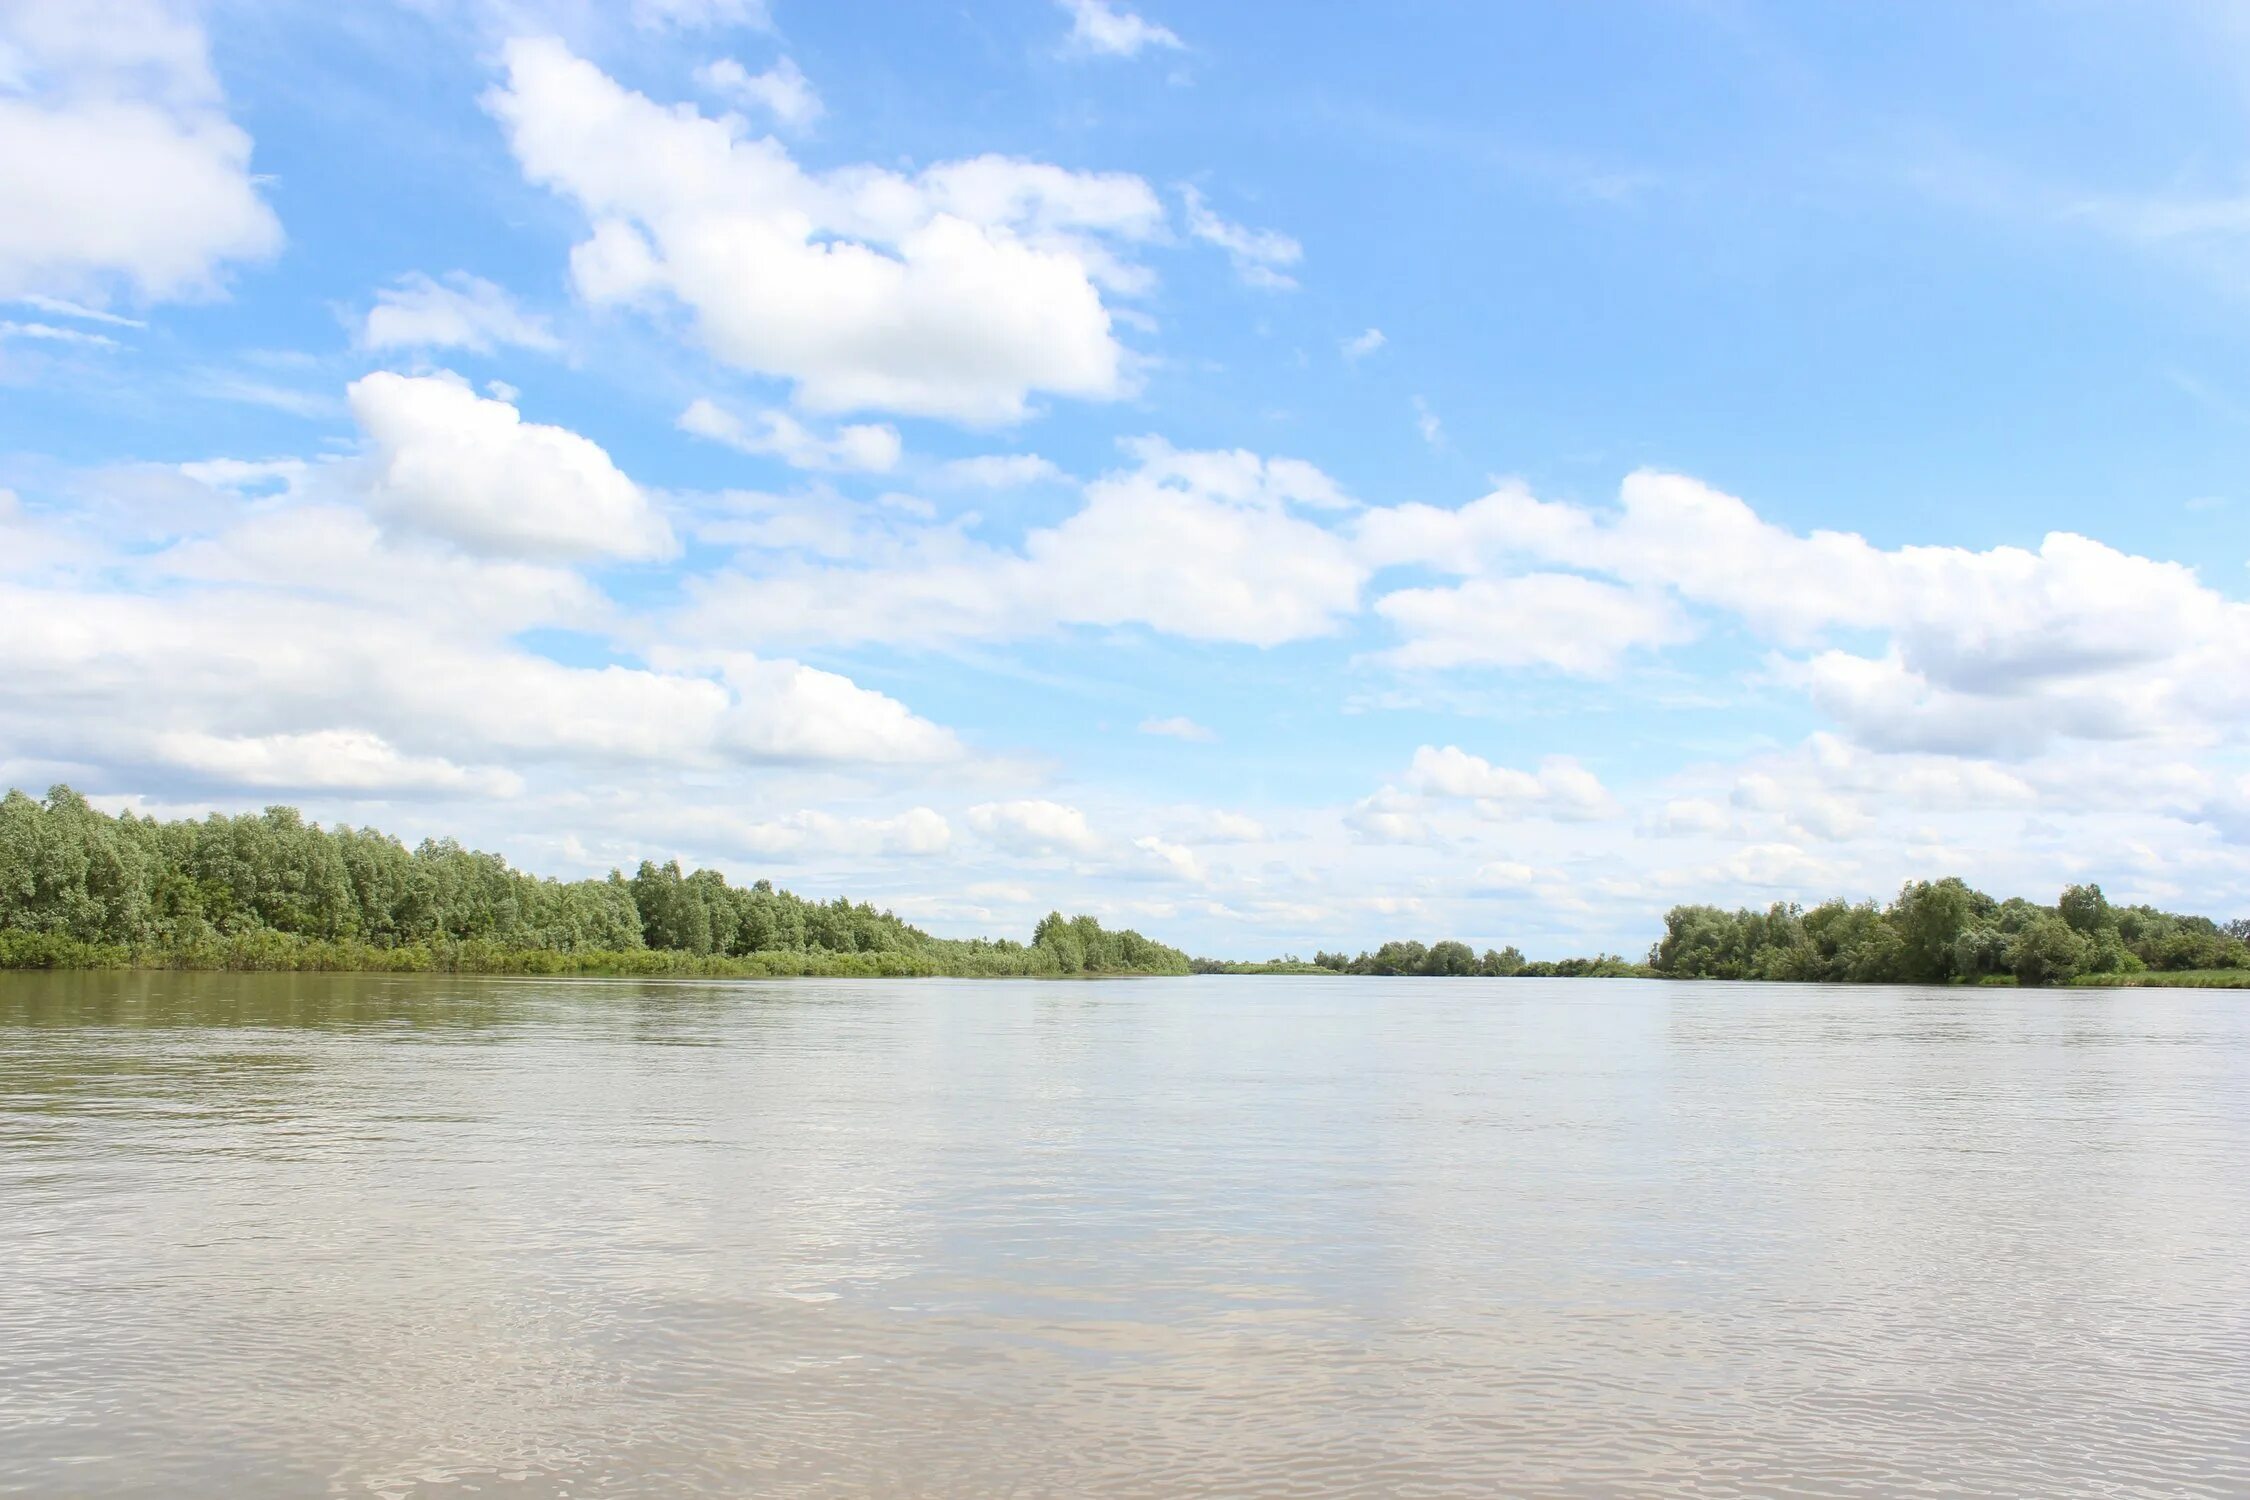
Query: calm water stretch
point(306, 1235)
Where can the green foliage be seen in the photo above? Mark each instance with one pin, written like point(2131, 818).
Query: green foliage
point(268, 890)
point(1443, 959)
point(2048, 951)
point(1943, 932)
point(1502, 963)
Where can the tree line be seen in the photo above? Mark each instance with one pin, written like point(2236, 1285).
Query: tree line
point(271, 890)
point(80, 887)
point(1441, 959)
point(1945, 932)
point(1936, 932)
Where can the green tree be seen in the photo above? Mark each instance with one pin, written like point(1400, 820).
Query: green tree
point(1501, 964)
point(1450, 957)
point(2047, 951)
point(2086, 909)
point(1930, 916)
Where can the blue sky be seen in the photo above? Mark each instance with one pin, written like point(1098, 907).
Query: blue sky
point(1272, 476)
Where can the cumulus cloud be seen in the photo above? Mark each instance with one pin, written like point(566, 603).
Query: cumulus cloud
point(782, 90)
point(291, 641)
point(1259, 255)
point(1390, 816)
point(1101, 29)
point(871, 448)
point(1556, 620)
point(119, 167)
point(962, 291)
point(1208, 546)
point(785, 710)
point(450, 463)
point(2002, 651)
point(1169, 861)
point(918, 831)
point(1033, 826)
point(323, 760)
point(1560, 788)
point(459, 312)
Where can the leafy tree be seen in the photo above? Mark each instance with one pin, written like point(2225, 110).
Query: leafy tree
point(1503, 964)
point(2047, 951)
point(2086, 909)
point(1450, 957)
point(1930, 916)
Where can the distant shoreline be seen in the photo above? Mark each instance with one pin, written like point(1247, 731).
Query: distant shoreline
point(82, 889)
point(32, 953)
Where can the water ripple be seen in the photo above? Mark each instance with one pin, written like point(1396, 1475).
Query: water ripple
point(398, 1237)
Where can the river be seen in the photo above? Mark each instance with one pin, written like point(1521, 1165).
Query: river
point(297, 1235)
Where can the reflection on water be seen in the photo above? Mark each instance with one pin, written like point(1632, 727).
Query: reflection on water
point(301, 1235)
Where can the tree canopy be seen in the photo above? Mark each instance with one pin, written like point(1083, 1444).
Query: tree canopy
point(1941, 932)
point(268, 884)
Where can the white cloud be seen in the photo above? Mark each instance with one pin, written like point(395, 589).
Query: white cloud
point(1682, 816)
point(1033, 826)
point(1201, 545)
point(288, 641)
point(450, 463)
point(1178, 727)
point(1390, 816)
point(459, 312)
point(1258, 254)
point(1504, 876)
point(1560, 788)
point(119, 167)
point(788, 711)
point(1426, 423)
point(62, 307)
point(324, 760)
point(918, 831)
point(1361, 345)
point(2001, 651)
point(863, 447)
point(782, 90)
point(1219, 826)
point(999, 471)
point(51, 333)
point(960, 292)
point(1169, 861)
point(1100, 29)
point(1556, 620)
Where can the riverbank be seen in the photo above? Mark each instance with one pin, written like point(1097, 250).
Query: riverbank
point(275, 953)
point(268, 952)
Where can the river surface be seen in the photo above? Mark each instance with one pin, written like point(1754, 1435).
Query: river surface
point(357, 1236)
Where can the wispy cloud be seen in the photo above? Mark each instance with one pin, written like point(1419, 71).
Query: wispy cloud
point(1360, 346)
